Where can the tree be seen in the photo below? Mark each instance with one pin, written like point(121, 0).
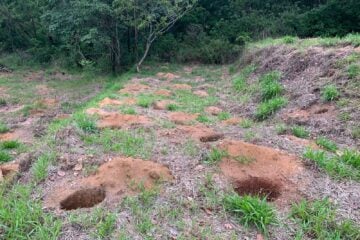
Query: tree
point(153, 17)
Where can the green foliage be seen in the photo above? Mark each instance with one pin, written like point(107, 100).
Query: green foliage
point(239, 82)
point(269, 107)
point(23, 218)
point(128, 110)
point(224, 116)
point(203, 119)
point(11, 144)
point(3, 128)
point(300, 132)
point(215, 156)
point(353, 71)
point(106, 226)
point(351, 157)
point(318, 219)
point(85, 123)
point(330, 93)
point(2, 102)
point(334, 166)
point(4, 157)
point(246, 123)
point(40, 167)
point(172, 107)
point(326, 144)
point(289, 39)
point(251, 211)
point(145, 101)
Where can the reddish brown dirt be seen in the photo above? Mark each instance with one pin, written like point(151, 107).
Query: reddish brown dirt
point(232, 121)
point(316, 111)
point(213, 110)
point(181, 86)
point(257, 186)
point(8, 171)
point(97, 111)
point(182, 118)
point(163, 92)
point(134, 88)
point(167, 76)
point(162, 104)
point(115, 179)
point(108, 101)
point(118, 120)
point(201, 93)
point(198, 132)
point(266, 164)
point(302, 142)
point(21, 134)
point(43, 89)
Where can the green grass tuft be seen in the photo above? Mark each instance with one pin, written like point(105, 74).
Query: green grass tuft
point(353, 71)
point(300, 132)
point(246, 123)
point(172, 107)
point(251, 211)
point(4, 157)
point(224, 116)
point(215, 156)
point(326, 144)
point(351, 157)
point(3, 128)
point(85, 123)
point(330, 93)
point(270, 86)
point(12, 144)
point(318, 219)
point(269, 107)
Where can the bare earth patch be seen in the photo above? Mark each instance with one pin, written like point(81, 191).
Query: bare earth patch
point(182, 118)
point(118, 120)
point(134, 88)
point(263, 170)
point(113, 180)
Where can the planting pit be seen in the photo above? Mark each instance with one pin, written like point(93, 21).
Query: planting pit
point(113, 180)
point(261, 187)
point(83, 198)
point(271, 173)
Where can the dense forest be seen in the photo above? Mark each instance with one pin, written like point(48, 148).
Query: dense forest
point(113, 34)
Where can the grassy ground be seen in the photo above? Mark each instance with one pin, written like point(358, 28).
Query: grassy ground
point(197, 206)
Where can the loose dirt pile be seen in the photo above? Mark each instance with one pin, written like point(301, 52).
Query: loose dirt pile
point(114, 180)
point(260, 170)
point(182, 118)
point(197, 132)
point(134, 88)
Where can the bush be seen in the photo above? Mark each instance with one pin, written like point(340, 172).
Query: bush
point(251, 211)
point(330, 93)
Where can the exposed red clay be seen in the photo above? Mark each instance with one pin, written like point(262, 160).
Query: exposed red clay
point(213, 110)
point(182, 118)
point(134, 88)
point(115, 179)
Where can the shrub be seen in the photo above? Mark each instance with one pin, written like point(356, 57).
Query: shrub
point(330, 93)
point(269, 107)
point(251, 211)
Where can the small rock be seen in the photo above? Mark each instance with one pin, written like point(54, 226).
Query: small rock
point(61, 173)
point(259, 237)
point(78, 167)
point(228, 226)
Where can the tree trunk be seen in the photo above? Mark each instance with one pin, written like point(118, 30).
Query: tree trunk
point(148, 45)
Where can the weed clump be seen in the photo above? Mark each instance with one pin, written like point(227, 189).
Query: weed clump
point(269, 107)
point(10, 144)
point(326, 144)
point(330, 93)
point(251, 211)
point(215, 156)
point(300, 132)
point(4, 157)
point(3, 128)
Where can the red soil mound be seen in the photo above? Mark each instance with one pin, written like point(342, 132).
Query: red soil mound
point(108, 101)
point(181, 87)
point(167, 76)
point(232, 121)
point(182, 118)
point(201, 93)
point(8, 171)
point(213, 110)
point(118, 120)
point(200, 132)
point(134, 88)
point(316, 112)
point(162, 105)
point(252, 165)
point(113, 180)
point(163, 92)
